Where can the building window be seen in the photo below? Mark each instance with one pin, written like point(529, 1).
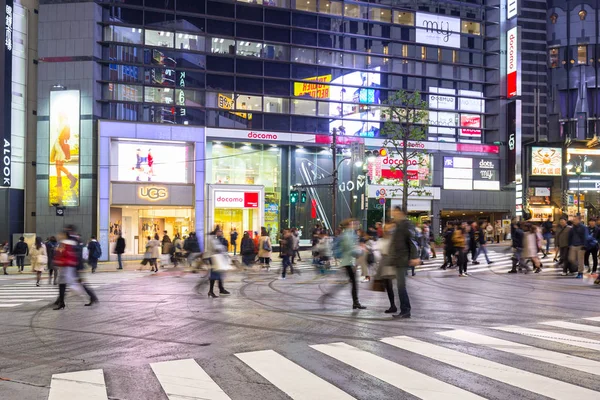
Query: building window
point(553, 57)
point(380, 14)
point(304, 107)
point(582, 14)
point(439, 54)
point(276, 105)
point(303, 55)
point(158, 95)
point(222, 46)
point(423, 53)
point(160, 38)
point(352, 10)
point(123, 34)
point(404, 18)
point(185, 41)
point(582, 54)
point(305, 5)
point(123, 92)
point(472, 28)
point(244, 102)
point(553, 18)
point(454, 56)
point(330, 7)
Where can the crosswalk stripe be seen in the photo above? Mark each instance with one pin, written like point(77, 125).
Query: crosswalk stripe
point(185, 379)
point(406, 379)
point(596, 319)
point(573, 326)
point(87, 385)
point(3, 301)
point(547, 356)
point(512, 376)
point(553, 336)
point(293, 380)
point(9, 305)
point(28, 296)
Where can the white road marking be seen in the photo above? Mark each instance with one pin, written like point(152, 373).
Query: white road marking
point(552, 336)
point(185, 379)
point(512, 376)
point(406, 379)
point(571, 325)
point(9, 305)
point(547, 356)
point(293, 380)
point(596, 319)
point(88, 385)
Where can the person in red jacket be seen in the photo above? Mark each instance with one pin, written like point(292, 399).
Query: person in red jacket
point(66, 258)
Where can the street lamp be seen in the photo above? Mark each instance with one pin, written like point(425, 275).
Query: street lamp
point(578, 168)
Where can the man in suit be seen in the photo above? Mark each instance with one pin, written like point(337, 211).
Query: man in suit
point(404, 254)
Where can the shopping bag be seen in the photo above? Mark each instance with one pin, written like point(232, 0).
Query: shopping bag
point(378, 285)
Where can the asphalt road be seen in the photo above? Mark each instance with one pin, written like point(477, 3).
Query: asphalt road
point(153, 336)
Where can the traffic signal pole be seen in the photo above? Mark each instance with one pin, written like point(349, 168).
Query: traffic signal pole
point(335, 179)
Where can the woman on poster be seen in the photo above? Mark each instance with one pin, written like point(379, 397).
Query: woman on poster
point(61, 152)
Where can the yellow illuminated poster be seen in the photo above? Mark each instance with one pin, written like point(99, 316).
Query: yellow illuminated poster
point(63, 174)
point(226, 103)
point(314, 90)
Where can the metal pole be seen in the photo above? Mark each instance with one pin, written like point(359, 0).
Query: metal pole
point(335, 180)
point(578, 196)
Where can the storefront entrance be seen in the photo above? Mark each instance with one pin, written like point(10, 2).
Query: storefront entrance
point(136, 224)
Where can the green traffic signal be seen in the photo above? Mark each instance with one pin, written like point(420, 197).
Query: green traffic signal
point(294, 196)
point(303, 197)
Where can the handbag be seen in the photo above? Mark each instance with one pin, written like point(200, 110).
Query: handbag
point(266, 246)
point(377, 285)
point(220, 262)
point(387, 272)
point(42, 259)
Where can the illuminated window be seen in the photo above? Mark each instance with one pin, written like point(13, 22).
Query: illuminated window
point(244, 102)
point(454, 56)
point(160, 38)
point(305, 5)
point(472, 28)
point(582, 54)
point(553, 57)
point(405, 53)
point(330, 7)
point(582, 14)
point(186, 41)
point(123, 34)
point(553, 18)
point(276, 105)
point(404, 18)
point(352, 11)
point(222, 46)
point(439, 54)
point(380, 14)
point(423, 53)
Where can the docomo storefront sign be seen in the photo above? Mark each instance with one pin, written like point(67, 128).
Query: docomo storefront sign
point(513, 86)
point(391, 191)
point(262, 136)
point(236, 199)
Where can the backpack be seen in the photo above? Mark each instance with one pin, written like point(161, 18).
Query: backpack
point(266, 246)
point(590, 242)
point(96, 250)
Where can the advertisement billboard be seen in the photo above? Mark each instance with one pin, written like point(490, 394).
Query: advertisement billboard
point(513, 84)
point(358, 99)
point(6, 95)
point(512, 8)
point(442, 98)
point(437, 30)
point(462, 173)
point(442, 123)
point(313, 90)
point(546, 161)
point(470, 125)
point(63, 174)
point(145, 161)
point(471, 100)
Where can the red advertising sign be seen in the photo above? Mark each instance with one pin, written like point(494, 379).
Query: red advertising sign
point(469, 122)
point(250, 199)
point(512, 81)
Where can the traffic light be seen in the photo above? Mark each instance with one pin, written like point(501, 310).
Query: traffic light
point(294, 196)
point(382, 152)
point(303, 197)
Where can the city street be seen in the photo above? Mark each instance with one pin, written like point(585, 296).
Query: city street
point(492, 335)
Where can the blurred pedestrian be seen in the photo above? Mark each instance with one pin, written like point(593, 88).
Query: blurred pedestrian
point(4, 259)
point(216, 254)
point(192, 247)
point(39, 259)
point(577, 242)
point(531, 247)
point(287, 250)
point(296, 245)
point(165, 250)
point(67, 259)
point(516, 235)
point(561, 245)
point(51, 245)
point(20, 251)
point(404, 254)
point(460, 242)
point(593, 250)
point(94, 253)
point(386, 269)
point(349, 250)
point(449, 249)
point(154, 252)
point(265, 248)
point(247, 250)
point(547, 230)
point(483, 242)
point(119, 250)
point(233, 237)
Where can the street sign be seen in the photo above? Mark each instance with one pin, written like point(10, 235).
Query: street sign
point(382, 192)
point(382, 201)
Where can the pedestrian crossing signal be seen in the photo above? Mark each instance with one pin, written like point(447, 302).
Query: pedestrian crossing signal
point(303, 197)
point(294, 196)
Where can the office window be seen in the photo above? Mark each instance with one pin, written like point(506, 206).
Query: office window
point(380, 14)
point(304, 107)
point(245, 102)
point(305, 5)
point(160, 38)
point(404, 18)
point(123, 34)
point(249, 49)
point(276, 52)
point(330, 7)
point(582, 54)
point(325, 57)
point(189, 98)
point(423, 53)
point(352, 10)
point(454, 56)
point(123, 92)
point(158, 95)
point(472, 28)
point(354, 61)
point(222, 46)
point(276, 105)
point(303, 55)
point(185, 41)
point(553, 57)
point(439, 55)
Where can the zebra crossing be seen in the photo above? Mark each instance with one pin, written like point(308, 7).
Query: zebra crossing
point(305, 378)
point(501, 262)
point(25, 292)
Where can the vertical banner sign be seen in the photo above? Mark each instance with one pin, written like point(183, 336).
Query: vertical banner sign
point(63, 175)
point(513, 80)
point(6, 94)
point(512, 8)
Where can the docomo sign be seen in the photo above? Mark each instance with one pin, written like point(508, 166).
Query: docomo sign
point(512, 82)
point(234, 199)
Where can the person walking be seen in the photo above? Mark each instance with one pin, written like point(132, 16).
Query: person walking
point(593, 251)
point(386, 270)
point(577, 241)
point(165, 249)
point(119, 250)
point(265, 248)
point(154, 249)
point(51, 245)
point(94, 253)
point(473, 241)
point(531, 247)
point(431, 240)
point(547, 230)
point(517, 246)
point(216, 254)
point(449, 249)
point(349, 250)
point(296, 244)
point(483, 242)
point(247, 250)
point(233, 237)
point(4, 259)
point(561, 245)
point(287, 250)
point(460, 242)
point(20, 251)
point(192, 246)
point(403, 254)
point(39, 259)
point(66, 258)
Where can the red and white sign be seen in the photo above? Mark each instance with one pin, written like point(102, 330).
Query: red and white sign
point(391, 168)
point(512, 55)
point(261, 136)
point(236, 199)
point(470, 125)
